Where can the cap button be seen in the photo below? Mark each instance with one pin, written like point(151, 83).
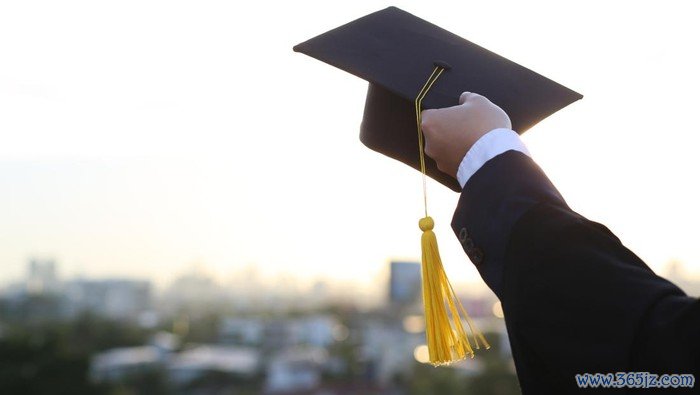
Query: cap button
point(443, 64)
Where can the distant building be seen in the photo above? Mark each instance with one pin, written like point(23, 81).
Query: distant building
point(295, 370)
point(316, 330)
point(319, 330)
point(242, 331)
point(404, 283)
point(388, 349)
point(479, 306)
point(41, 277)
point(165, 342)
point(112, 298)
point(118, 364)
point(195, 363)
point(194, 291)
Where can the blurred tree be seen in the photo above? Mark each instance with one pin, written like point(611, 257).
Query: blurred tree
point(428, 380)
point(89, 333)
point(203, 329)
point(496, 376)
point(52, 357)
point(42, 365)
point(151, 382)
point(224, 383)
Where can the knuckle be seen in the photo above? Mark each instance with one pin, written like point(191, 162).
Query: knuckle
point(507, 121)
point(428, 132)
point(429, 150)
point(424, 124)
point(479, 98)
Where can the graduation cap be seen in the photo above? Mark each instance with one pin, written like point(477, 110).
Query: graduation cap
point(412, 65)
point(396, 51)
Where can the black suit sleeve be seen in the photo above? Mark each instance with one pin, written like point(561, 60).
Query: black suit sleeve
point(575, 299)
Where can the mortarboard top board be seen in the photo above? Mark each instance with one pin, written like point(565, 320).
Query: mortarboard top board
point(396, 52)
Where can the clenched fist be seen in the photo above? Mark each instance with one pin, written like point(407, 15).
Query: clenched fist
point(450, 132)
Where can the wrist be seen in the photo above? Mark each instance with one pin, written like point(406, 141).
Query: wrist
point(487, 147)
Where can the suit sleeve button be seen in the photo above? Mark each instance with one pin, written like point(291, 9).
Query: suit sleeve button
point(468, 244)
point(463, 235)
point(477, 256)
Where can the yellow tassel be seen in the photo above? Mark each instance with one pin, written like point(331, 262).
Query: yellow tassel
point(444, 332)
point(447, 340)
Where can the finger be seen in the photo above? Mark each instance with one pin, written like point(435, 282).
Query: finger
point(427, 118)
point(464, 96)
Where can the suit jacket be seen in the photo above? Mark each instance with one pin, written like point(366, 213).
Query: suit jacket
point(575, 299)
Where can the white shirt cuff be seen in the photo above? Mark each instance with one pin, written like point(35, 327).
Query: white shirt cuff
point(486, 148)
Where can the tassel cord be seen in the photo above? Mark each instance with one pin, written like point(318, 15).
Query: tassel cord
point(446, 337)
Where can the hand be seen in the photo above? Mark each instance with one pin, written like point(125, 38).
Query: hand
point(450, 132)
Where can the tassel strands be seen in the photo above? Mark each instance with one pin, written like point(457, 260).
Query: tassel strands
point(445, 334)
point(444, 331)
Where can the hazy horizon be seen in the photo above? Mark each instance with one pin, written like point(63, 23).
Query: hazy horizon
point(140, 137)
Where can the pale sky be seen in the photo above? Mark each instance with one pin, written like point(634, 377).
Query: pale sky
point(139, 137)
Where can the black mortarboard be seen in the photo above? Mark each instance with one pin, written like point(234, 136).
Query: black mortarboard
point(396, 52)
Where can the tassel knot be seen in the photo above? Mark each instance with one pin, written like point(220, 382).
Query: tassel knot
point(426, 224)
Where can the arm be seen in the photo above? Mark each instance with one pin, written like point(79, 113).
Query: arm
point(575, 299)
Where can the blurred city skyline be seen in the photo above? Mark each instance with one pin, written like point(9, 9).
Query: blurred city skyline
point(141, 137)
point(248, 281)
point(113, 335)
point(197, 336)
